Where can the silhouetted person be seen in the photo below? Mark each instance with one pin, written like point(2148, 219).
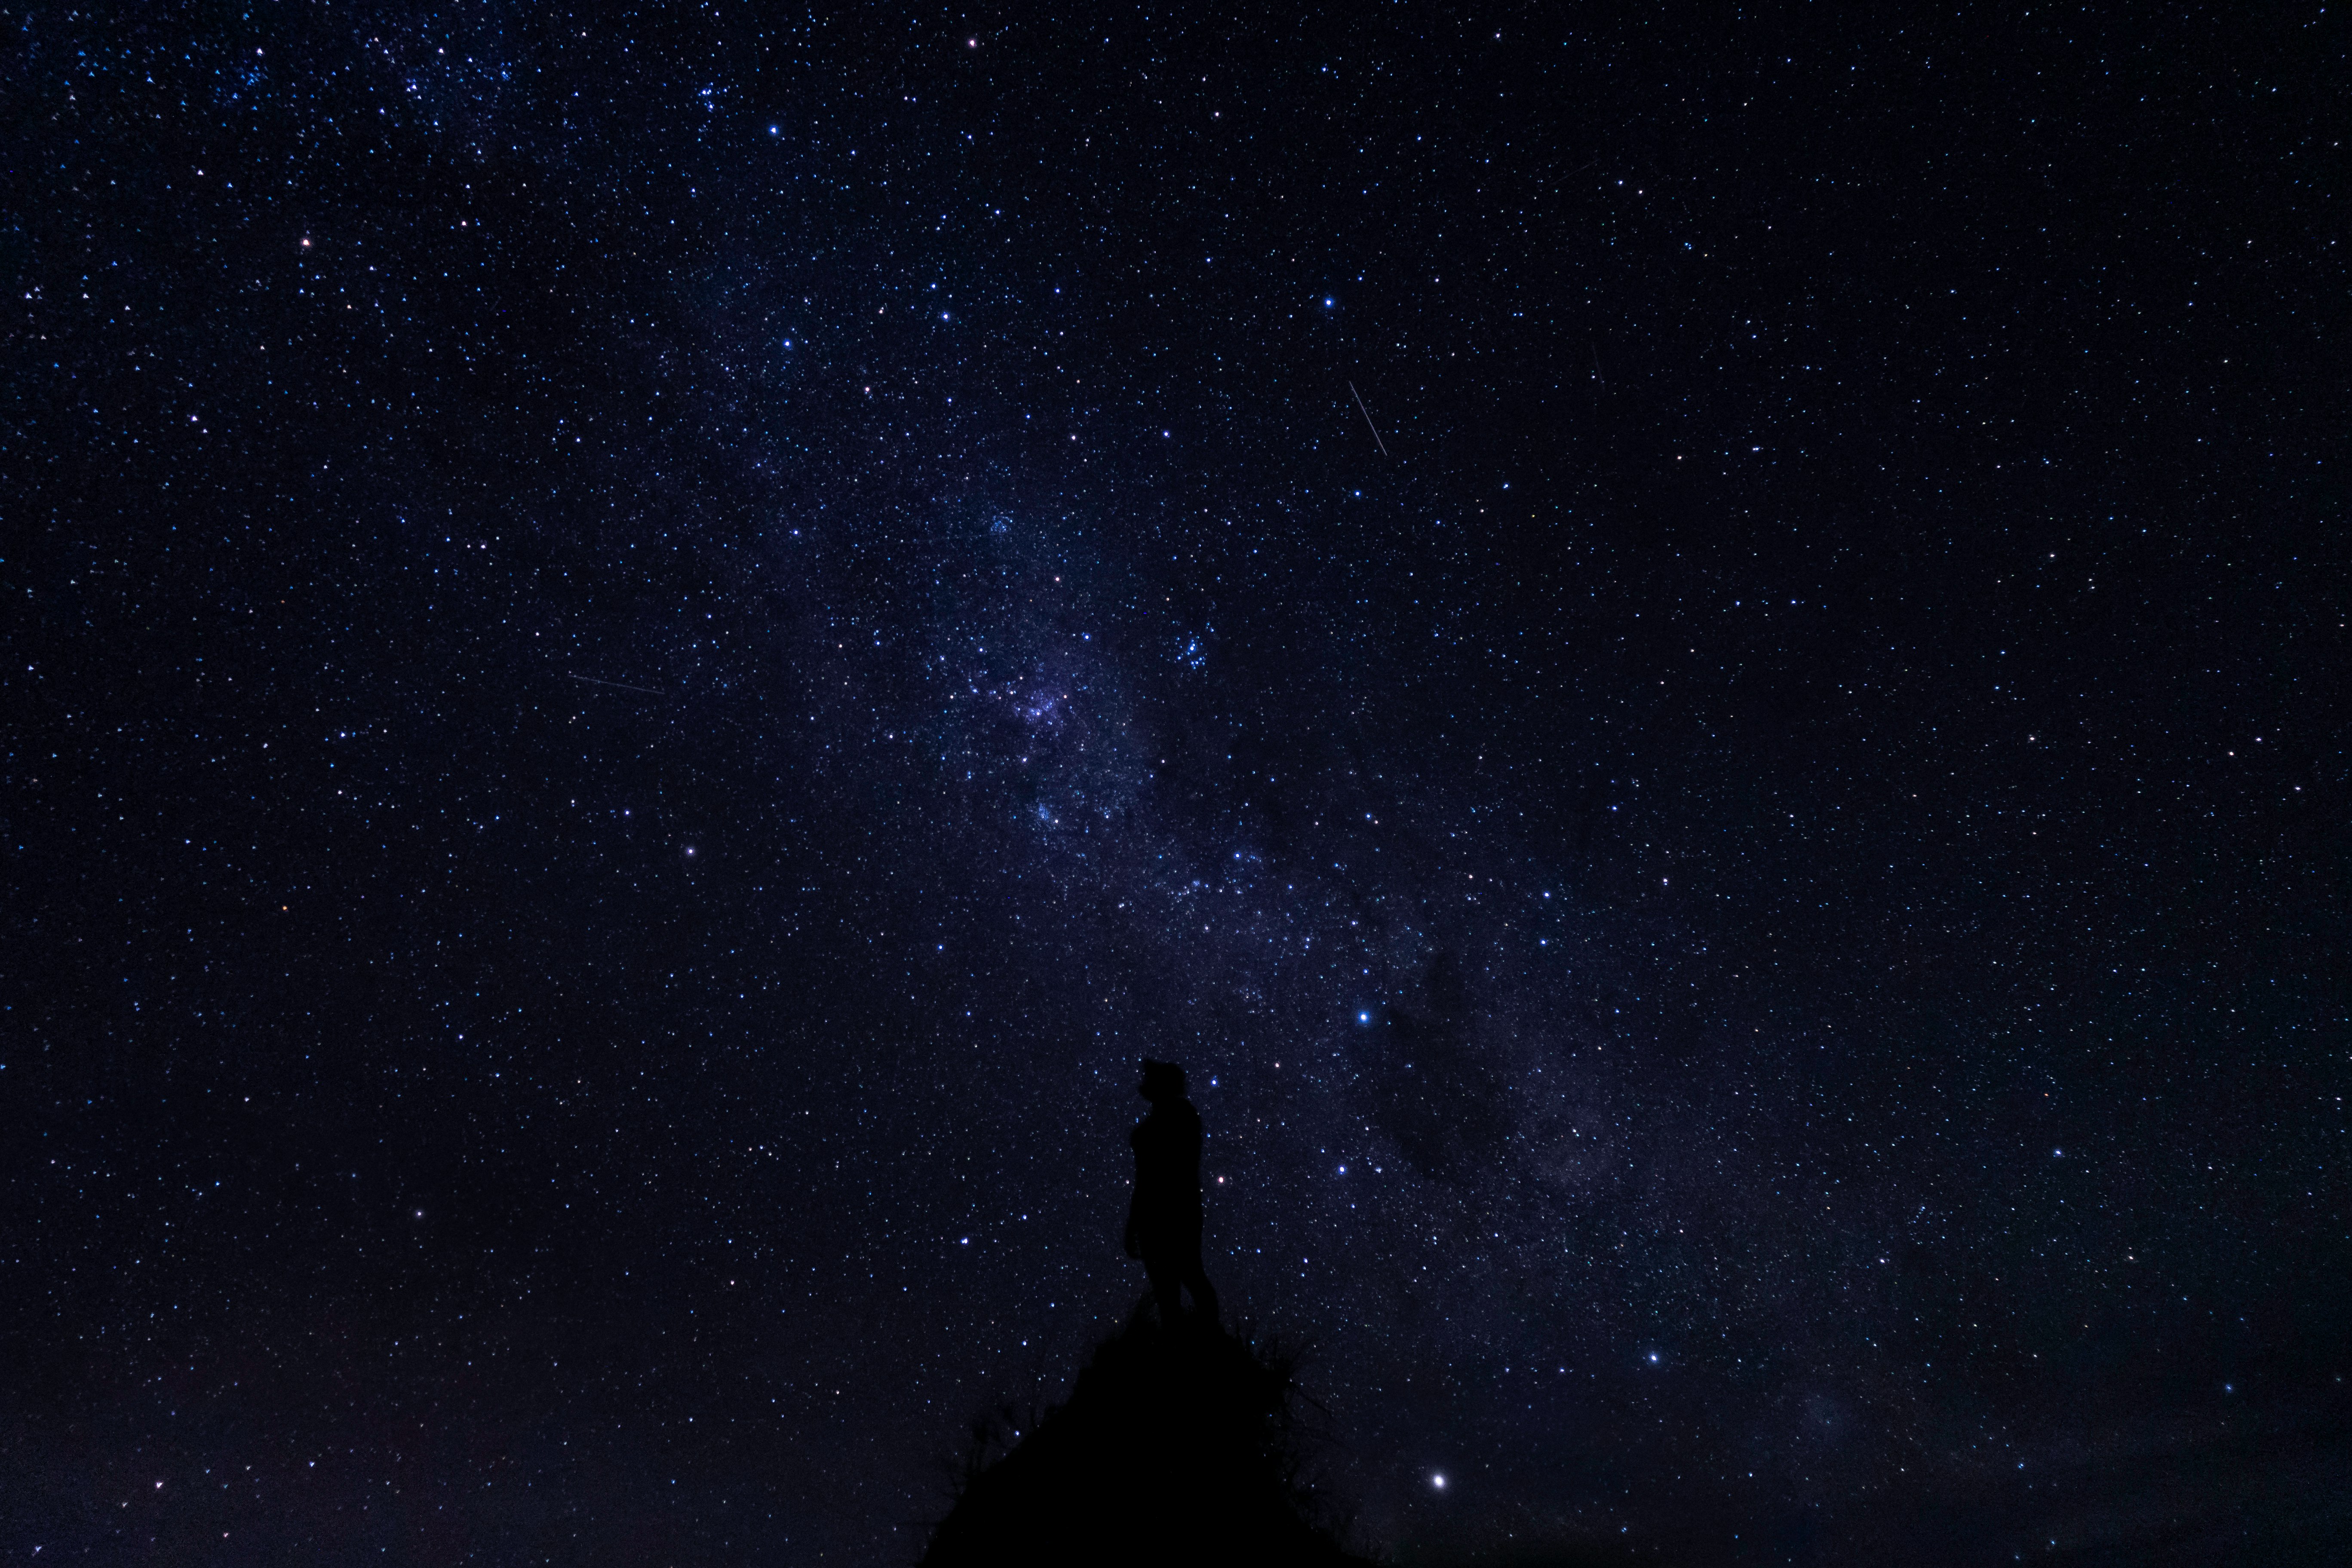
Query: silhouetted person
point(1164, 1222)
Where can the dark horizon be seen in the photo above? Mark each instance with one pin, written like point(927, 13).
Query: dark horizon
point(1685, 660)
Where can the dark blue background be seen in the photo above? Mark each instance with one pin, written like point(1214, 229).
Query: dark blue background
point(643, 651)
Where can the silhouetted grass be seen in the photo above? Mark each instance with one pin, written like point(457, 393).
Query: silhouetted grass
point(1177, 1445)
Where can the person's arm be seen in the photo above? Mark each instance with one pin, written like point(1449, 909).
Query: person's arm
point(1130, 1240)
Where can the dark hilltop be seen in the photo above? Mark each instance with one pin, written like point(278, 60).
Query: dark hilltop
point(1177, 1445)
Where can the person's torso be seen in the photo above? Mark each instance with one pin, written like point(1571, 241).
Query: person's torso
point(1168, 1158)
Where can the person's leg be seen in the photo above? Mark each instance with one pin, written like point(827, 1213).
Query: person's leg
point(1204, 1295)
point(1167, 1286)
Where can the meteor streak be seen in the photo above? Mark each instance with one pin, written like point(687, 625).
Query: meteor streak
point(1383, 446)
point(623, 685)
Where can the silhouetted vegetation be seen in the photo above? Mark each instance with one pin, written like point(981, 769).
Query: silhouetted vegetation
point(1178, 1445)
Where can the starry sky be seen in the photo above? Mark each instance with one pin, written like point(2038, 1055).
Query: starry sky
point(1692, 659)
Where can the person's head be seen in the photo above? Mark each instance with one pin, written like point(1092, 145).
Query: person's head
point(1162, 1081)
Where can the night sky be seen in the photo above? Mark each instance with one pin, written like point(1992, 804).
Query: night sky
point(1695, 664)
